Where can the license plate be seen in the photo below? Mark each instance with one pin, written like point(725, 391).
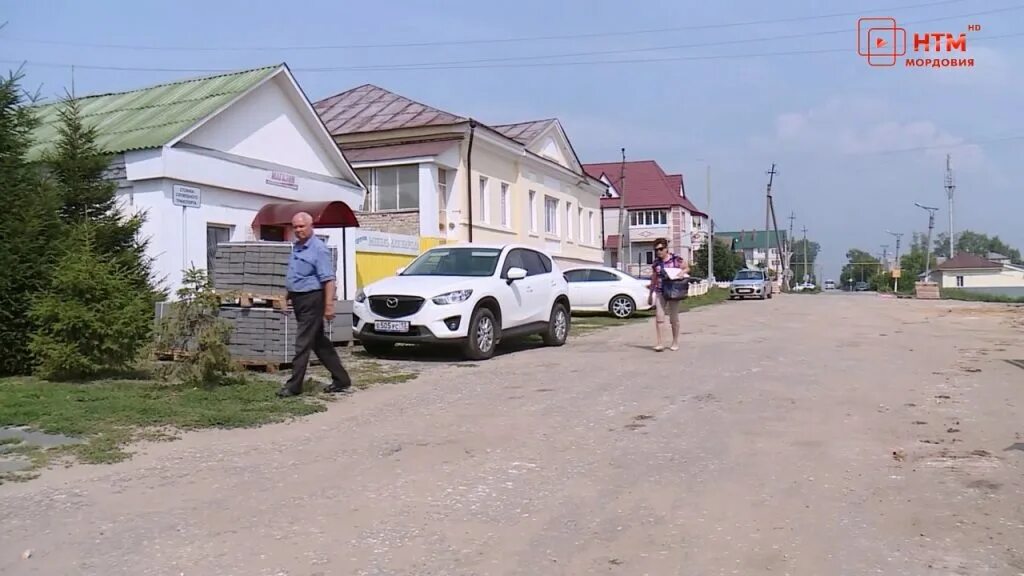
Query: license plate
point(745, 291)
point(390, 326)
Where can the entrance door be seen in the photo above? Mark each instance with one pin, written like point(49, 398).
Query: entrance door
point(215, 234)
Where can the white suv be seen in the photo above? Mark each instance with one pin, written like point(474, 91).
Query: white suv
point(468, 294)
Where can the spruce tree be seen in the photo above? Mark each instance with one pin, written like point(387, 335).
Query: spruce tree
point(29, 227)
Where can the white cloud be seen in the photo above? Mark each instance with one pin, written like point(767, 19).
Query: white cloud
point(865, 126)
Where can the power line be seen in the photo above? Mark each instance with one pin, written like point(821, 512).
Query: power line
point(180, 48)
point(443, 66)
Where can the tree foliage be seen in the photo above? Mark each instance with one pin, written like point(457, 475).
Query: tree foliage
point(726, 262)
point(796, 262)
point(861, 266)
point(28, 228)
point(976, 243)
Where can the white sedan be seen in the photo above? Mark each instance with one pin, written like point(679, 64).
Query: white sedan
point(604, 289)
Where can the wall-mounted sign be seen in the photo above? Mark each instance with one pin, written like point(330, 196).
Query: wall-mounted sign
point(373, 241)
point(186, 196)
point(282, 179)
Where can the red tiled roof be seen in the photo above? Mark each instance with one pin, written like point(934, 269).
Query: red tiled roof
point(369, 108)
point(399, 151)
point(647, 185)
point(524, 132)
point(965, 261)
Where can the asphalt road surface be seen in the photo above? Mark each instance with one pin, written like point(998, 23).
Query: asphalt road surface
point(806, 435)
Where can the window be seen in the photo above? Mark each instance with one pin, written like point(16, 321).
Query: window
point(648, 218)
point(579, 219)
point(442, 189)
point(646, 256)
point(485, 204)
point(959, 281)
point(568, 221)
point(533, 211)
point(602, 276)
point(576, 276)
point(593, 230)
point(533, 262)
point(391, 187)
point(550, 215)
point(506, 207)
point(215, 234)
point(477, 262)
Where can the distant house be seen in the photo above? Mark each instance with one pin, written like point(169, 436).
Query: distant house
point(437, 177)
point(973, 273)
point(656, 207)
point(754, 244)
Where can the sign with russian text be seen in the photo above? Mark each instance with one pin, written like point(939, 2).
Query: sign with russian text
point(282, 179)
point(186, 196)
point(882, 43)
point(373, 241)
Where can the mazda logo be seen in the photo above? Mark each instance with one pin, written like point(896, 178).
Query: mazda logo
point(392, 302)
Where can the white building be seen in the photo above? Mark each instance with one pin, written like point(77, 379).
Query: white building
point(201, 157)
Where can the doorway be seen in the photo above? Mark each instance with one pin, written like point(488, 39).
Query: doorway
point(215, 234)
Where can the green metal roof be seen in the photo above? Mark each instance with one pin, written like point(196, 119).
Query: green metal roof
point(148, 117)
point(751, 239)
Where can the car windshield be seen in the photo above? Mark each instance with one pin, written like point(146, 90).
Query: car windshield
point(455, 262)
point(749, 275)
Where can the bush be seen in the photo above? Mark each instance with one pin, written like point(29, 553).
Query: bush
point(194, 329)
point(91, 319)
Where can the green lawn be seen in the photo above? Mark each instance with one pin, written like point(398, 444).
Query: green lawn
point(585, 323)
point(108, 414)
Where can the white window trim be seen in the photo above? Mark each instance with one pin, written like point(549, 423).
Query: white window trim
point(568, 221)
point(532, 202)
point(372, 200)
point(556, 217)
point(580, 221)
point(593, 230)
point(637, 213)
point(506, 209)
point(484, 198)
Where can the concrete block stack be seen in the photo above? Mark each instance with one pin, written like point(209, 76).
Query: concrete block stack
point(260, 334)
point(927, 290)
point(254, 268)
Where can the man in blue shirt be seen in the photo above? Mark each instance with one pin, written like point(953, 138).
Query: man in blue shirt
point(311, 288)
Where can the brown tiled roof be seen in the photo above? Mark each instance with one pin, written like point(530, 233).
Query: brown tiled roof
point(965, 261)
point(524, 132)
point(369, 108)
point(647, 185)
point(399, 151)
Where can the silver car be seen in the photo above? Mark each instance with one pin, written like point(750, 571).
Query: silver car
point(750, 283)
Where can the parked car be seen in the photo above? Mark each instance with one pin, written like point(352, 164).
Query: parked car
point(600, 288)
point(472, 295)
point(750, 283)
point(861, 286)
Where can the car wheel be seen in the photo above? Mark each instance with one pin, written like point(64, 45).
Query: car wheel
point(483, 335)
point(622, 307)
point(378, 348)
point(558, 326)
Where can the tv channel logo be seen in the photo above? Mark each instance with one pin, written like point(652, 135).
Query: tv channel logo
point(880, 40)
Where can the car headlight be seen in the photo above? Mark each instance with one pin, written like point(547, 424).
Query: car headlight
point(452, 297)
point(360, 296)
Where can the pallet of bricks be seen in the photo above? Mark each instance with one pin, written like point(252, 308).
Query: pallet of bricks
point(927, 290)
point(250, 277)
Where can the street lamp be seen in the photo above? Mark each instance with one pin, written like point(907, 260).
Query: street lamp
point(711, 226)
point(928, 246)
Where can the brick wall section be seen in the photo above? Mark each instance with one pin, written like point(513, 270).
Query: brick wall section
point(392, 222)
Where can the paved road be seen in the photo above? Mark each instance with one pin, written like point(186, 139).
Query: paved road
point(805, 435)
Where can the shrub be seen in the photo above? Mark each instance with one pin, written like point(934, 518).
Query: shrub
point(193, 328)
point(91, 318)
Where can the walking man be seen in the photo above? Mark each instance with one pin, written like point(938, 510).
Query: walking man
point(311, 289)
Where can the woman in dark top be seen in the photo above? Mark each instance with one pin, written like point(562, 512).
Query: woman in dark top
point(662, 307)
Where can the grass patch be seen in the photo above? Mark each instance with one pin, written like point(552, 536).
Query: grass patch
point(585, 323)
point(963, 295)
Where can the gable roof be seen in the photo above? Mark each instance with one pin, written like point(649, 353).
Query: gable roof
point(646, 186)
point(370, 108)
point(149, 117)
point(524, 132)
point(754, 239)
point(966, 261)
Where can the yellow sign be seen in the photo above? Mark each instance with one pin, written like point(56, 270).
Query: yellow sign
point(895, 272)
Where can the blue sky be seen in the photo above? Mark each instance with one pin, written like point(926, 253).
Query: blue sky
point(855, 145)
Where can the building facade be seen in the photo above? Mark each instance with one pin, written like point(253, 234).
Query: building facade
point(760, 248)
point(973, 273)
point(202, 157)
point(445, 178)
point(655, 206)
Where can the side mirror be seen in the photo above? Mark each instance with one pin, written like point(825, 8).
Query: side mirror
point(515, 274)
point(400, 270)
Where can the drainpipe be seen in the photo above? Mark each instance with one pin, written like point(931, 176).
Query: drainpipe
point(469, 177)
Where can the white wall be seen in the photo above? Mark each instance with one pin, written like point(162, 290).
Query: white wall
point(267, 125)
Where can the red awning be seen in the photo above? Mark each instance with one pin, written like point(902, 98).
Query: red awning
point(334, 214)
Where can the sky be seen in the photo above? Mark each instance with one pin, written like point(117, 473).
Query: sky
point(734, 85)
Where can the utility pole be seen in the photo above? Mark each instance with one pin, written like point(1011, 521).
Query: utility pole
point(710, 235)
point(950, 188)
point(622, 213)
point(885, 257)
point(928, 246)
point(769, 216)
point(803, 249)
point(789, 252)
point(896, 281)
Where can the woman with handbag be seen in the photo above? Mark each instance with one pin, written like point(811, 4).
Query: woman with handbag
point(669, 285)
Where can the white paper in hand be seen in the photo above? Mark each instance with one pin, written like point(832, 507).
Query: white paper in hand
point(674, 273)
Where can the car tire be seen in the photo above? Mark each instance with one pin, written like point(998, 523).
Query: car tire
point(558, 326)
point(378, 348)
point(483, 335)
point(622, 307)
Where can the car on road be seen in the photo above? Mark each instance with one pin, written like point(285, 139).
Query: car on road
point(750, 283)
point(861, 287)
point(471, 295)
point(830, 284)
point(605, 289)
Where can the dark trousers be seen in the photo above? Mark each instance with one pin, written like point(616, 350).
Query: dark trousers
point(309, 312)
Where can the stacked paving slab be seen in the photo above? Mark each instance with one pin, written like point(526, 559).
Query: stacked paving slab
point(261, 331)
